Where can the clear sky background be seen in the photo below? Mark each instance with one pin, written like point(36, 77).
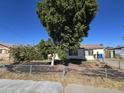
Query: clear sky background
point(19, 23)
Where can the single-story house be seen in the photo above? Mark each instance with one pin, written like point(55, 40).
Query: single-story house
point(87, 52)
point(4, 52)
point(119, 51)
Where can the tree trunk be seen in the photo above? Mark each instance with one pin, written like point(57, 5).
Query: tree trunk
point(53, 59)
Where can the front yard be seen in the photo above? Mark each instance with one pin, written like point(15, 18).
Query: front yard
point(68, 79)
point(85, 74)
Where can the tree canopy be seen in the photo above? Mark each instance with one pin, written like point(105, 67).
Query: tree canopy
point(67, 21)
point(45, 48)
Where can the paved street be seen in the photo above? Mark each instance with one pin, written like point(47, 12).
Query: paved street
point(116, 64)
point(28, 86)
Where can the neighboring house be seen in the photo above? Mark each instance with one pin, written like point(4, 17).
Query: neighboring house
point(87, 52)
point(109, 52)
point(119, 51)
point(4, 52)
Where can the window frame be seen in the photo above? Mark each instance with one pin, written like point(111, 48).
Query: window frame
point(73, 53)
point(90, 52)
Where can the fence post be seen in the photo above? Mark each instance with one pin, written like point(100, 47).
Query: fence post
point(65, 70)
point(30, 69)
point(106, 74)
point(119, 64)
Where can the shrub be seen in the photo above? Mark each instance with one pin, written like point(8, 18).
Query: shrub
point(24, 53)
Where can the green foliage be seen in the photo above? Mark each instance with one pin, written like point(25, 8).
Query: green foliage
point(45, 48)
point(21, 53)
point(48, 47)
point(38, 52)
point(24, 53)
point(28, 53)
point(62, 54)
point(67, 21)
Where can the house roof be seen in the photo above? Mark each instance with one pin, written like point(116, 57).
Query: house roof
point(92, 46)
point(5, 45)
point(119, 47)
point(109, 48)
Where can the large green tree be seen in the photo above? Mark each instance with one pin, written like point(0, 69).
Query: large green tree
point(67, 21)
point(45, 47)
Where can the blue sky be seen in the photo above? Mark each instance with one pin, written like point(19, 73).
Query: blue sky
point(19, 23)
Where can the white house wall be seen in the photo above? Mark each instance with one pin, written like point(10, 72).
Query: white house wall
point(4, 55)
point(120, 52)
point(95, 51)
point(89, 57)
point(83, 54)
point(100, 51)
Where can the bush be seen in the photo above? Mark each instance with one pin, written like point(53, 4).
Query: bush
point(24, 53)
point(39, 52)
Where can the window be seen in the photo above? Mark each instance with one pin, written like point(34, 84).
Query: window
point(73, 53)
point(86, 53)
point(90, 51)
point(0, 51)
point(5, 51)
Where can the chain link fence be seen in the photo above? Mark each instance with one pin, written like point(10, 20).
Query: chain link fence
point(105, 72)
